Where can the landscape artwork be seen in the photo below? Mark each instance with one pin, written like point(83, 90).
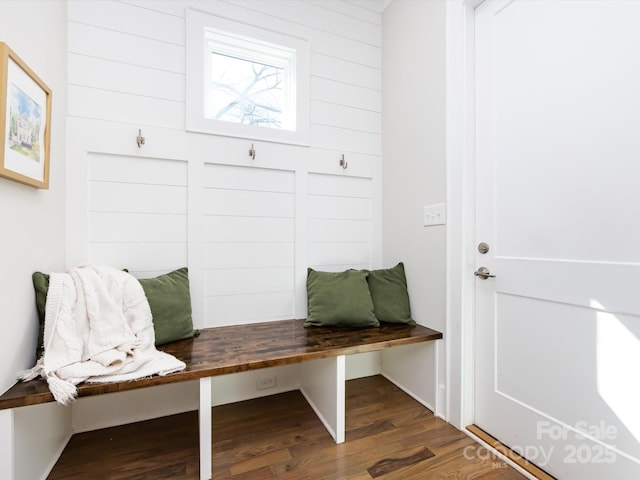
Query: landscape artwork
point(25, 122)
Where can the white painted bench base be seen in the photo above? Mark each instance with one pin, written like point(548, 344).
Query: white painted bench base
point(323, 386)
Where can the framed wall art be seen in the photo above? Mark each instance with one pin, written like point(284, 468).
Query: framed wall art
point(25, 122)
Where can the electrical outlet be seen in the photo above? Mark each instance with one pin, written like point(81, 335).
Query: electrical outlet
point(434, 215)
point(263, 383)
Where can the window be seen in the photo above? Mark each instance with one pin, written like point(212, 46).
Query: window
point(245, 81)
point(252, 83)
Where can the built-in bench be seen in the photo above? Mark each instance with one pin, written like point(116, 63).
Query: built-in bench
point(224, 350)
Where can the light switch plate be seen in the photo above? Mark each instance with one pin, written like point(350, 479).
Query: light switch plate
point(435, 215)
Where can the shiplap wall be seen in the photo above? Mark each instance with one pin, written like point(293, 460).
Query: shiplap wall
point(249, 240)
point(137, 220)
point(339, 222)
point(126, 66)
point(247, 229)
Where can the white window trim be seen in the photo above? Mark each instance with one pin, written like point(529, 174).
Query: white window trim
point(197, 53)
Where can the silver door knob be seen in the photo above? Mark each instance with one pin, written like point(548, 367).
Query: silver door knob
point(483, 273)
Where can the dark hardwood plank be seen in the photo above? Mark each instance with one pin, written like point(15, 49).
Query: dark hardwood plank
point(280, 438)
point(387, 465)
point(239, 348)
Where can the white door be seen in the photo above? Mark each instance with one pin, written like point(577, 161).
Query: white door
point(558, 202)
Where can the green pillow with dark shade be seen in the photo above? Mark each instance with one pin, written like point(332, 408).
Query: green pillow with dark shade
point(388, 289)
point(170, 302)
point(339, 299)
point(41, 286)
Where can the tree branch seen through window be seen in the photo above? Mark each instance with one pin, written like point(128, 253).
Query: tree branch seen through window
point(246, 92)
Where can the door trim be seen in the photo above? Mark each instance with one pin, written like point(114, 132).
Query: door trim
point(460, 148)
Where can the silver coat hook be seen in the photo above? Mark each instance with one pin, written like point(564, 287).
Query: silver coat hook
point(252, 152)
point(140, 138)
point(343, 162)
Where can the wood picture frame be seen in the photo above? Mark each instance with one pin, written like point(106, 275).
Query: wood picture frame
point(25, 122)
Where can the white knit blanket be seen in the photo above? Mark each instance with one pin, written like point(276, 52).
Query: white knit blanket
point(98, 328)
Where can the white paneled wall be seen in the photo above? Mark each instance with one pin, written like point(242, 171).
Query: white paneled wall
point(339, 221)
point(127, 67)
point(137, 213)
point(249, 244)
point(247, 229)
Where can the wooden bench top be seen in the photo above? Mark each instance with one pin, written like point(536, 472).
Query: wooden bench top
point(224, 350)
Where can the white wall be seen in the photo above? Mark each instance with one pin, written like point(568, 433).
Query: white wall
point(33, 237)
point(247, 229)
point(413, 125)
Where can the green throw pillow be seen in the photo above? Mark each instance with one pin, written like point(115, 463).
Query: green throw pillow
point(388, 289)
point(41, 286)
point(339, 299)
point(169, 299)
point(170, 302)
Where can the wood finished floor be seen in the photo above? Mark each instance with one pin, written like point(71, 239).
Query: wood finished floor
point(389, 437)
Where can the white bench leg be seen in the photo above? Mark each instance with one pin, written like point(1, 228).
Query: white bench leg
point(204, 420)
point(323, 385)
